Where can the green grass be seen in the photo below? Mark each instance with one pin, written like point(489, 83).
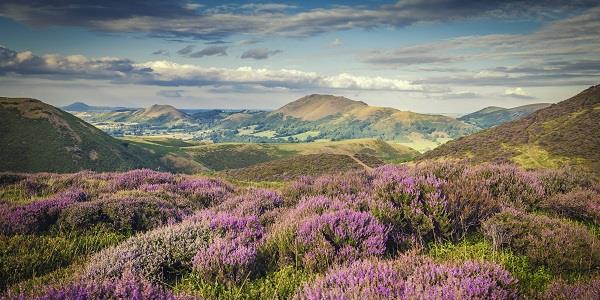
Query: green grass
point(280, 284)
point(24, 257)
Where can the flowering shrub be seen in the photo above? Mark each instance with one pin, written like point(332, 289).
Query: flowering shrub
point(39, 215)
point(125, 287)
point(560, 245)
point(232, 253)
point(135, 178)
point(412, 277)
point(561, 290)
point(414, 206)
point(329, 185)
point(468, 204)
point(339, 237)
point(581, 205)
point(509, 184)
point(204, 192)
point(126, 214)
point(261, 203)
point(565, 180)
point(157, 255)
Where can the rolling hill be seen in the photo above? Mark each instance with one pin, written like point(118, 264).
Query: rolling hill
point(155, 115)
point(338, 118)
point(296, 166)
point(492, 116)
point(223, 156)
point(567, 133)
point(38, 137)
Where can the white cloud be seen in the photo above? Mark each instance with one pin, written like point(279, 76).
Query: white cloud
point(336, 43)
point(168, 73)
point(516, 91)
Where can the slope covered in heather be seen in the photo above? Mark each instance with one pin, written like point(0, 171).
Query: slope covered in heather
point(493, 116)
point(567, 133)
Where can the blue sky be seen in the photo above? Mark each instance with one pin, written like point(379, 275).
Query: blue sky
point(421, 55)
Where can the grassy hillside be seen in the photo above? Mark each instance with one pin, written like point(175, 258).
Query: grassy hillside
point(224, 156)
point(337, 118)
point(231, 156)
point(296, 166)
point(567, 133)
point(39, 137)
point(493, 116)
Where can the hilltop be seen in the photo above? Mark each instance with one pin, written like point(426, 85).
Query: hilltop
point(315, 107)
point(159, 114)
point(39, 137)
point(567, 133)
point(155, 115)
point(492, 116)
point(337, 118)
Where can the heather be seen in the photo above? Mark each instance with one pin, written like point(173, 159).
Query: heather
point(412, 278)
point(427, 231)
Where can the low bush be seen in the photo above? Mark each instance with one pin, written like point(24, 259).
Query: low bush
point(412, 277)
point(121, 214)
point(231, 255)
point(561, 246)
point(562, 290)
point(413, 207)
point(125, 287)
point(160, 255)
point(37, 216)
point(583, 205)
point(339, 237)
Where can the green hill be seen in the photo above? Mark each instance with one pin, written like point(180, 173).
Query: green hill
point(493, 115)
point(225, 156)
point(296, 166)
point(155, 115)
point(38, 137)
point(567, 133)
point(338, 118)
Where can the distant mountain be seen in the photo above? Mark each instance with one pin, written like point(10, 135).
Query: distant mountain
point(339, 118)
point(567, 133)
point(38, 137)
point(159, 115)
point(316, 107)
point(492, 116)
point(82, 107)
point(155, 115)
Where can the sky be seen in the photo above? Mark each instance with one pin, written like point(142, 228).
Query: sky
point(430, 56)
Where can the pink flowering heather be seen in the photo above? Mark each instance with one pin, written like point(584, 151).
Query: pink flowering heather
point(261, 203)
point(122, 214)
point(414, 207)
point(561, 290)
point(557, 244)
point(124, 288)
point(509, 184)
point(583, 205)
point(232, 253)
point(154, 255)
point(340, 237)
point(135, 178)
point(39, 215)
point(330, 185)
point(412, 277)
point(203, 191)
